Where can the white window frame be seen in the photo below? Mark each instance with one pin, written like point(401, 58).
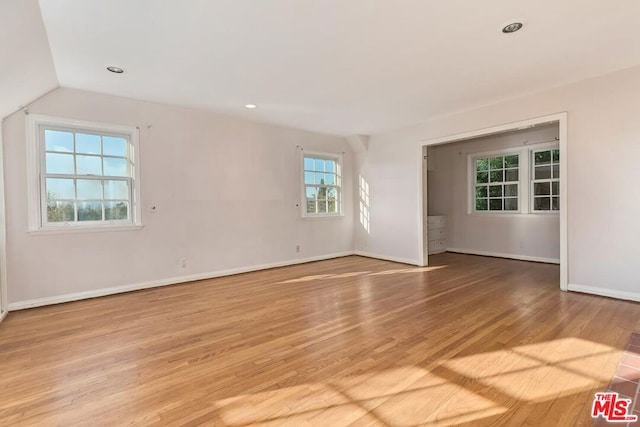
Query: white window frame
point(533, 180)
point(525, 187)
point(337, 157)
point(36, 175)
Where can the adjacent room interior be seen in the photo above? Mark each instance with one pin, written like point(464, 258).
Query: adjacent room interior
point(332, 213)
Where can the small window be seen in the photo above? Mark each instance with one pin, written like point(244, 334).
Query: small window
point(497, 183)
point(86, 176)
point(322, 185)
point(545, 180)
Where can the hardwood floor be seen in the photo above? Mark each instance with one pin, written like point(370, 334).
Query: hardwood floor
point(467, 341)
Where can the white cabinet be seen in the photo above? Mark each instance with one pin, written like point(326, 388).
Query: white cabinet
point(437, 232)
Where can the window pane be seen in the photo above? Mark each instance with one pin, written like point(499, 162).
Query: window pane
point(90, 189)
point(330, 166)
point(542, 203)
point(115, 167)
point(322, 193)
point(511, 175)
point(332, 194)
point(482, 164)
point(482, 177)
point(309, 178)
point(322, 206)
point(543, 172)
point(511, 190)
point(58, 211)
point(556, 171)
point(311, 193)
point(497, 162)
point(88, 165)
point(481, 191)
point(88, 144)
point(495, 191)
point(495, 204)
point(59, 163)
point(541, 188)
point(511, 204)
point(116, 190)
point(114, 146)
point(556, 156)
point(496, 176)
point(60, 189)
point(311, 207)
point(308, 164)
point(329, 179)
point(114, 211)
point(482, 204)
point(90, 211)
point(555, 188)
point(332, 206)
point(555, 203)
point(320, 178)
point(542, 157)
point(511, 161)
point(319, 165)
point(58, 141)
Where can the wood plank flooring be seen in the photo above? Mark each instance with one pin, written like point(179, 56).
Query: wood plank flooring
point(352, 341)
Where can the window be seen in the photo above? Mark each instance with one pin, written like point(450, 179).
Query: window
point(322, 185)
point(545, 180)
point(85, 175)
point(497, 183)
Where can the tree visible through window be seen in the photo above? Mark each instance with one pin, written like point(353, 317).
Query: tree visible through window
point(496, 183)
point(322, 185)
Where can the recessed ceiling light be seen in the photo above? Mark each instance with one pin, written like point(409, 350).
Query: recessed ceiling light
point(251, 106)
point(512, 28)
point(116, 70)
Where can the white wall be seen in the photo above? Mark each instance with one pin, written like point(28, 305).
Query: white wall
point(603, 174)
point(528, 236)
point(27, 70)
point(225, 190)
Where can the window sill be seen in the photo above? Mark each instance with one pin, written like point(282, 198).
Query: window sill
point(83, 230)
point(322, 217)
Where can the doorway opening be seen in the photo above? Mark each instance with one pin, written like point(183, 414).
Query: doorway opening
point(499, 192)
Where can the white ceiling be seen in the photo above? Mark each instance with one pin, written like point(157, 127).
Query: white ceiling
point(336, 66)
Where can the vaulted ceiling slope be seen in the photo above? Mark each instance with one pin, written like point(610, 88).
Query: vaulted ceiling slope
point(336, 66)
point(26, 70)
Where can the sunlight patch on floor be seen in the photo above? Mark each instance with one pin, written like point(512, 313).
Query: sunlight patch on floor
point(404, 396)
point(541, 371)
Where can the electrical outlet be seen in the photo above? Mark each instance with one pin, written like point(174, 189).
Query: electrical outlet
point(183, 263)
point(297, 248)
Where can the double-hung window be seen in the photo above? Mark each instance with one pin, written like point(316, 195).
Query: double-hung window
point(496, 183)
point(86, 175)
point(322, 185)
point(545, 180)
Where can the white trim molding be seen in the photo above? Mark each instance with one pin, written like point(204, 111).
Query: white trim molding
point(3, 237)
point(504, 255)
point(77, 296)
point(605, 292)
point(389, 258)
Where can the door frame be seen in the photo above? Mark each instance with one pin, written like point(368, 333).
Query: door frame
point(4, 303)
point(561, 118)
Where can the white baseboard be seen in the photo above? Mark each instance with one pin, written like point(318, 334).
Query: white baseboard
point(388, 258)
point(3, 315)
point(501, 255)
point(605, 292)
point(20, 305)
